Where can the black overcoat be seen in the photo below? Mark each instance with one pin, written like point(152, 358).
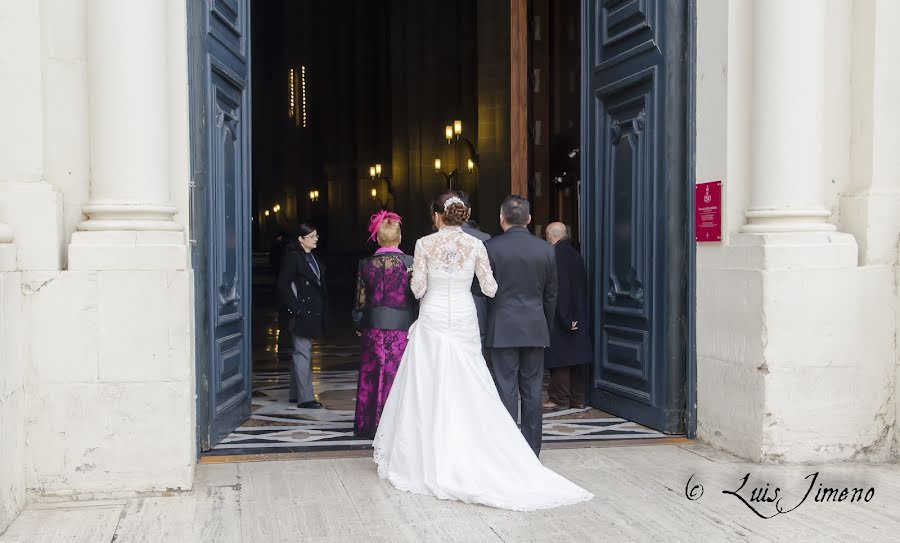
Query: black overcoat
point(568, 348)
point(309, 306)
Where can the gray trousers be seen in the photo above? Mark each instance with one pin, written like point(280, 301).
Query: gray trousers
point(519, 371)
point(301, 371)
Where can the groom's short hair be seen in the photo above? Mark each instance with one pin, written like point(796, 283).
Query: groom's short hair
point(515, 210)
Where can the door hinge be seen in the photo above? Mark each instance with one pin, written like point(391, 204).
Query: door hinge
point(191, 226)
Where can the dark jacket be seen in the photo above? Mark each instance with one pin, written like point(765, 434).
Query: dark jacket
point(567, 347)
point(309, 306)
point(522, 310)
point(479, 235)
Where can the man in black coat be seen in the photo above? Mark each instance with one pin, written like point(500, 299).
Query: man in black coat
point(471, 228)
point(520, 314)
point(570, 342)
point(302, 293)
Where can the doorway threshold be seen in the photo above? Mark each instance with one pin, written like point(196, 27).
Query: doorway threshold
point(279, 430)
point(367, 453)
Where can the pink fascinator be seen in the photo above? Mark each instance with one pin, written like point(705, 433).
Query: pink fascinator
point(380, 217)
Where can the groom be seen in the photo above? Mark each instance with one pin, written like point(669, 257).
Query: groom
point(520, 315)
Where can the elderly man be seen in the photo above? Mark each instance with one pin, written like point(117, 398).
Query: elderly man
point(570, 341)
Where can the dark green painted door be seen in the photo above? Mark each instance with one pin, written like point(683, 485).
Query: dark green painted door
point(219, 43)
point(635, 195)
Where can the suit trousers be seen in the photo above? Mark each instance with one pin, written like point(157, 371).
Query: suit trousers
point(301, 370)
point(567, 386)
point(519, 372)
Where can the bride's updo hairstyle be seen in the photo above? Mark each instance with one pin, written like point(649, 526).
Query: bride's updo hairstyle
point(454, 212)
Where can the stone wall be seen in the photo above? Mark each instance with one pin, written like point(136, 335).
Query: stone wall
point(12, 400)
point(796, 325)
point(97, 386)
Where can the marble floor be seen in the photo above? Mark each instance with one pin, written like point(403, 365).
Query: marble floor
point(277, 426)
point(641, 495)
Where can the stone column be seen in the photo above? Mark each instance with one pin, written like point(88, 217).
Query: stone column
point(788, 108)
point(31, 206)
point(129, 213)
point(7, 249)
point(871, 209)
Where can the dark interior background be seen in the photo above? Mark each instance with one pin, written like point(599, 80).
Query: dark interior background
point(383, 78)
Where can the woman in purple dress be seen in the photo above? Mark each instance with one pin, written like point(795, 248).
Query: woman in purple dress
point(384, 311)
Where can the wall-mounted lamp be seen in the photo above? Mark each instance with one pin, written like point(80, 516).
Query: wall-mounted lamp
point(449, 177)
point(375, 172)
point(276, 208)
point(456, 131)
point(266, 213)
point(314, 196)
point(375, 175)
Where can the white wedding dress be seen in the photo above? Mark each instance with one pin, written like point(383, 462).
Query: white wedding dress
point(444, 431)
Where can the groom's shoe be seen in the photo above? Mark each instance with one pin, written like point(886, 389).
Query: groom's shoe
point(310, 405)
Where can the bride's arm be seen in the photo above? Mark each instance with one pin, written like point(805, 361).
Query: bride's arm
point(483, 271)
point(419, 280)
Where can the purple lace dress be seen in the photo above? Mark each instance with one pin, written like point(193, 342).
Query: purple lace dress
point(385, 308)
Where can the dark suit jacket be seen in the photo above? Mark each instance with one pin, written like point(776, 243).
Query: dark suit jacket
point(522, 310)
point(477, 234)
point(567, 347)
point(308, 307)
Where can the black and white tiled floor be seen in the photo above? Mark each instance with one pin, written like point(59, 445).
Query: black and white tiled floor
point(277, 426)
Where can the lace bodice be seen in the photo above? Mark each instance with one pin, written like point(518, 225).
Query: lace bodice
point(451, 252)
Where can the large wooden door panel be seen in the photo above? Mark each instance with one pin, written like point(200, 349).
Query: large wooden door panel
point(220, 221)
point(633, 188)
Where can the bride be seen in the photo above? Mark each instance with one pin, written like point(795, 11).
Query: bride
point(444, 431)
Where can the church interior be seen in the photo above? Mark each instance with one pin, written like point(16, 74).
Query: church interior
point(363, 106)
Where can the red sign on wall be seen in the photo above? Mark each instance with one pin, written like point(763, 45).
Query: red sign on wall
point(708, 211)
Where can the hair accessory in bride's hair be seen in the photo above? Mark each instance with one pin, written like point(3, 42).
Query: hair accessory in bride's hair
point(452, 200)
point(376, 220)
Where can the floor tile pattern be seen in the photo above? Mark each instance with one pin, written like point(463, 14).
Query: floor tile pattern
point(277, 426)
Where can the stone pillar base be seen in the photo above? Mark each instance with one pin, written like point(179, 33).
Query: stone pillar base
point(792, 250)
point(34, 212)
point(872, 217)
point(795, 350)
point(7, 257)
point(127, 250)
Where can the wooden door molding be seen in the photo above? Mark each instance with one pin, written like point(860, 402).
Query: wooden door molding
point(518, 103)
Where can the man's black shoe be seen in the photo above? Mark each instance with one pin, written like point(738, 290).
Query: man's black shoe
point(310, 405)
